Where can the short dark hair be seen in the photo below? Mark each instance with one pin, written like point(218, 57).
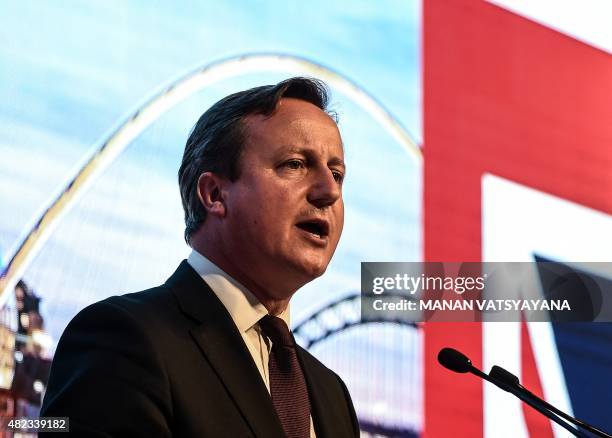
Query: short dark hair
point(216, 141)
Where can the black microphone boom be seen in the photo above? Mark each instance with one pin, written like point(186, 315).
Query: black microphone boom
point(511, 381)
point(458, 362)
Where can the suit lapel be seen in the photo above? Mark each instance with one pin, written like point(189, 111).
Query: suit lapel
point(224, 348)
point(320, 402)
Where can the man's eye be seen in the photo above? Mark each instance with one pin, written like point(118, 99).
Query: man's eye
point(294, 164)
point(338, 176)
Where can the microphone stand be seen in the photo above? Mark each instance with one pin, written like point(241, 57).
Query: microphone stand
point(509, 382)
point(458, 362)
point(531, 402)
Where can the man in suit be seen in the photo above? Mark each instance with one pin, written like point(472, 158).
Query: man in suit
point(209, 353)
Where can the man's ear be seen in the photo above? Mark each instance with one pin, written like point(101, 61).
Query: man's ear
point(210, 194)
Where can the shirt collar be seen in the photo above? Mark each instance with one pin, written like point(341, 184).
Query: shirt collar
point(244, 307)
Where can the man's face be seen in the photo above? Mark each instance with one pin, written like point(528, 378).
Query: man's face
point(285, 212)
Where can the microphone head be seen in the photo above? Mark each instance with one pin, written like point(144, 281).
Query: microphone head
point(454, 360)
point(504, 376)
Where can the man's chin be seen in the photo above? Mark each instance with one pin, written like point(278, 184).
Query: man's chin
point(313, 270)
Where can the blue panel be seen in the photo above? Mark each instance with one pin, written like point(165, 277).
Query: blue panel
point(585, 351)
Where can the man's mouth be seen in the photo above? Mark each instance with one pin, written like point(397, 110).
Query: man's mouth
point(316, 227)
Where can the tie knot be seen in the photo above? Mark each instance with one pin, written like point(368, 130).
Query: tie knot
point(276, 329)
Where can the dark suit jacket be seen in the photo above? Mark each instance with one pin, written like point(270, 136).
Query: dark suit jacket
point(170, 361)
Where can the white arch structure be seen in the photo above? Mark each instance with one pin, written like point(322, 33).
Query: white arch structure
point(177, 91)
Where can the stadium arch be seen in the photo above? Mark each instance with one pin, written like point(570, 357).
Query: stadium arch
point(113, 144)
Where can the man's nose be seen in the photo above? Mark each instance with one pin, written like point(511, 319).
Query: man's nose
point(325, 190)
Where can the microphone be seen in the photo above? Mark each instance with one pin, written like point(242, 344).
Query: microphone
point(454, 360)
point(458, 362)
point(512, 381)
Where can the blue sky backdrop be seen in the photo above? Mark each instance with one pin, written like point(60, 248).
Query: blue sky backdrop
point(71, 71)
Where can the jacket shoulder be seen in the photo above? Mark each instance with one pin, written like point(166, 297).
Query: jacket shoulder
point(143, 306)
point(107, 373)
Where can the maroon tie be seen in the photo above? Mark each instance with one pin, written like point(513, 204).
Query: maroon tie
point(287, 383)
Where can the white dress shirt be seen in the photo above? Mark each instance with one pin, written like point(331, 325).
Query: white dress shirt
point(246, 311)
